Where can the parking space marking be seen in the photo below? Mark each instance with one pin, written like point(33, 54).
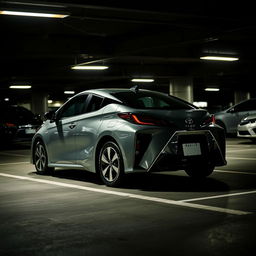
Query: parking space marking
point(236, 172)
point(129, 195)
point(241, 158)
point(240, 150)
point(219, 196)
point(12, 154)
point(15, 163)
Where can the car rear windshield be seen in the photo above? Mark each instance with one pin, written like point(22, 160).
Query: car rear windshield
point(151, 100)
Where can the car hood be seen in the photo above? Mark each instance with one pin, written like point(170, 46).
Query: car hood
point(249, 118)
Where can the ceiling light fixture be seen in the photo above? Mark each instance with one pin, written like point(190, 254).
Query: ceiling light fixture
point(89, 67)
point(143, 80)
point(69, 92)
point(200, 104)
point(219, 58)
point(212, 89)
point(20, 86)
point(35, 14)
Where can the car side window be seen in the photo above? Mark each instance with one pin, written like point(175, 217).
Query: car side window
point(94, 104)
point(75, 107)
point(246, 106)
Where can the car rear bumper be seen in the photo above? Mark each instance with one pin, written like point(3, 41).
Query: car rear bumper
point(186, 148)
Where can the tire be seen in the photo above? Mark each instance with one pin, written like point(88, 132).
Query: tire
point(41, 159)
point(110, 164)
point(199, 171)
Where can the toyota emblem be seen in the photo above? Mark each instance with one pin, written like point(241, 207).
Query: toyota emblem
point(189, 121)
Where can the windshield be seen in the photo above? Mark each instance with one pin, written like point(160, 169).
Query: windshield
point(151, 100)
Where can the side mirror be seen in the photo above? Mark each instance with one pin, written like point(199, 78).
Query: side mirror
point(50, 116)
point(232, 110)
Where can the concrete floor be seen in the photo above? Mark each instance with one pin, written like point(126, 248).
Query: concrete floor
point(72, 213)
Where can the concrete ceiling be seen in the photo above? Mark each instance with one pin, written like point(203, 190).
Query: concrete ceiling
point(133, 38)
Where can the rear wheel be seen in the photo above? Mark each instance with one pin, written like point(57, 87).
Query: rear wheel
point(110, 164)
point(41, 159)
point(199, 171)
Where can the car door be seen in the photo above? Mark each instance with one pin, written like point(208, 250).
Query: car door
point(62, 133)
point(240, 111)
point(87, 128)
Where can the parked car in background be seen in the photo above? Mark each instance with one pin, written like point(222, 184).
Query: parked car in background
point(116, 131)
point(231, 117)
point(17, 123)
point(247, 128)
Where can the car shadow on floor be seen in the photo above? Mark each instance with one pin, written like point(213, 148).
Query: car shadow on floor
point(172, 183)
point(161, 182)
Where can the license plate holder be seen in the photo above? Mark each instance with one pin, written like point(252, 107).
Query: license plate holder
point(30, 131)
point(191, 149)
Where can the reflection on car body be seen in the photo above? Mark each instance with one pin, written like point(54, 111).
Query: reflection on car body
point(118, 131)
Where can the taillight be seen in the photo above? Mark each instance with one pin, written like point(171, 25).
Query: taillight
point(209, 120)
point(9, 125)
point(141, 119)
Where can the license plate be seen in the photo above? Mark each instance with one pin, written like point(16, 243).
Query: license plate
point(191, 149)
point(30, 131)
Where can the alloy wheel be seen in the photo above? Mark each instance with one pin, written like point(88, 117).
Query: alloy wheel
point(40, 157)
point(110, 164)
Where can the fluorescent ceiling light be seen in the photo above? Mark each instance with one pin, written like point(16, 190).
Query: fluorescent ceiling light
point(200, 104)
point(143, 80)
point(219, 58)
point(20, 86)
point(212, 89)
point(89, 67)
point(6, 99)
point(35, 14)
point(69, 92)
point(50, 101)
point(57, 104)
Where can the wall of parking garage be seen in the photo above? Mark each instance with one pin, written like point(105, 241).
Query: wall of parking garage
point(39, 103)
point(182, 87)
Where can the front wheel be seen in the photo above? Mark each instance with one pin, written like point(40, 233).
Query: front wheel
point(41, 159)
point(199, 171)
point(110, 164)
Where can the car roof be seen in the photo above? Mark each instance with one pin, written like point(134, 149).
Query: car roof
point(107, 92)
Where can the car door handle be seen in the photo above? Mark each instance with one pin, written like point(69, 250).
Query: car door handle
point(72, 126)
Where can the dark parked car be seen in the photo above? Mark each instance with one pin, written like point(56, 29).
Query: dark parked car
point(118, 131)
point(17, 123)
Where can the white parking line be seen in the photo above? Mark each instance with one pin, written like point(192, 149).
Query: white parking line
point(129, 195)
point(12, 154)
point(15, 163)
point(235, 172)
point(241, 158)
point(240, 150)
point(219, 196)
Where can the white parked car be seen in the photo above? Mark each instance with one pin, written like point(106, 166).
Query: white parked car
point(247, 128)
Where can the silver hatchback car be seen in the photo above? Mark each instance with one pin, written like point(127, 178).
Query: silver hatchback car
point(231, 117)
point(117, 131)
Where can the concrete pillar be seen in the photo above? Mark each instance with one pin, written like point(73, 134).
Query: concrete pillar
point(39, 103)
point(241, 96)
point(182, 87)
